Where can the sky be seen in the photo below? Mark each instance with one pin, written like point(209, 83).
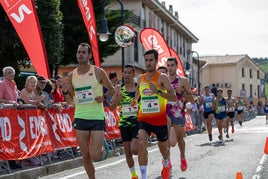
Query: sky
point(225, 26)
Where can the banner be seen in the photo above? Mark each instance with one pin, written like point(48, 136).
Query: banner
point(87, 11)
point(23, 16)
point(24, 134)
point(152, 39)
point(111, 119)
point(61, 127)
point(180, 69)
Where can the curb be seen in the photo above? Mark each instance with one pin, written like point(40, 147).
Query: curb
point(35, 172)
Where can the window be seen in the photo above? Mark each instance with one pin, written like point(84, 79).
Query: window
point(243, 86)
point(251, 90)
point(250, 73)
point(258, 74)
point(243, 73)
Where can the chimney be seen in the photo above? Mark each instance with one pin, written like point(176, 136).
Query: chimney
point(171, 9)
point(163, 4)
point(176, 15)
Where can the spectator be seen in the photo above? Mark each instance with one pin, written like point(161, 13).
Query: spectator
point(30, 95)
point(214, 90)
point(9, 95)
point(113, 78)
point(57, 93)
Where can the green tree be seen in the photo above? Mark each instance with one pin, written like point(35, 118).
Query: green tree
point(50, 18)
point(75, 30)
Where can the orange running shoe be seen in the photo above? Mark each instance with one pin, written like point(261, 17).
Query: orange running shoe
point(232, 129)
point(183, 164)
point(134, 177)
point(165, 173)
point(169, 165)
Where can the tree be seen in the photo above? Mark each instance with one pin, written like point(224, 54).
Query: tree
point(75, 30)
point(50, 18)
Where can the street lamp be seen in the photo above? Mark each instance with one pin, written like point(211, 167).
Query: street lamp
point(198, 71)
point(104, 33)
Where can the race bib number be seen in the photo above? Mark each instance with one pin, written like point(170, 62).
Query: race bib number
point(240, 108)
point(231, 109)
point(84, 95)
point(208, 104)
point(150, 104)
point(128, 110)
point(221, 108)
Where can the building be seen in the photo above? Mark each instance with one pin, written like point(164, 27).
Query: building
point(237, 72)
point(148, 13)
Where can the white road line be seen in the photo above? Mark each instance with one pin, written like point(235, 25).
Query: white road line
point(260, 167)
point(103, 166)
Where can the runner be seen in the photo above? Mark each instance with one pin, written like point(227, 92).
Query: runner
point(266, 110)
point(231, 103)
point(240, 110)
point(153, 89)
point(207, 100)
point(176, 110)
point(85, 83)
point(128, 122)
point(220, 113)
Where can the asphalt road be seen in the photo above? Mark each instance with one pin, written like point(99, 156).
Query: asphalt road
point(243, 152)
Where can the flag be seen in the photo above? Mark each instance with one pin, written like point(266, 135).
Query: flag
point(23, 16)
point(87, 11)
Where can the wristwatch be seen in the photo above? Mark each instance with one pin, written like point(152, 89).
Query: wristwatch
point(159, 92)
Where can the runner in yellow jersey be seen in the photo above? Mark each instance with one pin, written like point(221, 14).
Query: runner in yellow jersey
point(153, 89)
point(85, 83)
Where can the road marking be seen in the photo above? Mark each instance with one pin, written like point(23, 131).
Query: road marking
point(103, 166)
point(260, 168)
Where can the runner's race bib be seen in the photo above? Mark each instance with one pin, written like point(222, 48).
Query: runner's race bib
point(150, 104)
point(128, 110)
point(221, 108)
point(84, 95)
point(240, 108)
point(208, 104)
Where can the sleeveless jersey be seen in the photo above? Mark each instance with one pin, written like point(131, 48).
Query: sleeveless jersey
point(128, 114)
point(230, 108)
point(220, 111)
point(176, 109)
point(86, 88)
point(240, 105)
point(208, 100)
point(152, 107)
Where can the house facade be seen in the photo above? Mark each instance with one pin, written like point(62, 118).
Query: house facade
point(148, 13)
point(237, 72)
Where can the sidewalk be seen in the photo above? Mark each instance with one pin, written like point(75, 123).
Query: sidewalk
point(56, 165)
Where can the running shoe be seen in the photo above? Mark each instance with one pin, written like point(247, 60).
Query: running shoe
point(220, 139)
point(232, 129)
point(240, 123)
point(169, 165)
point(210, 137)
point(134, 177)
point(183, 164)
point(165, 173)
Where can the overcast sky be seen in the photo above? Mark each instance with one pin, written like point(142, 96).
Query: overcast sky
point(226, 26)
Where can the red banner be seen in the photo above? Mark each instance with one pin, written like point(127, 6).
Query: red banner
point(87, 11)
point(180, 69)
point(152, 39)
point(111, 120)
point(61, 128)
point(23, 16)
point(24, 134)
